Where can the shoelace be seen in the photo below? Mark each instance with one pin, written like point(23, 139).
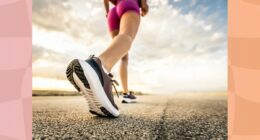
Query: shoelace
point(113, 83)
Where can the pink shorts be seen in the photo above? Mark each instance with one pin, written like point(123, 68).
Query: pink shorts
point(115, 14)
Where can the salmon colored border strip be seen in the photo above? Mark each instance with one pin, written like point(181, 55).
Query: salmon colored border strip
point(244, 69)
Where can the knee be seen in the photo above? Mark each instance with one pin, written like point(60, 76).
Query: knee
point(127, 37)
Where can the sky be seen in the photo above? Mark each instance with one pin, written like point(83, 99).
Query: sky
point(181, 45)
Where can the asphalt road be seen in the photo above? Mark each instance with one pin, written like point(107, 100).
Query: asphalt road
point(174, 117)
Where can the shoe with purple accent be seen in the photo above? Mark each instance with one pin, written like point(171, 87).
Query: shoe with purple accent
point(129, 98)
point(90, 79)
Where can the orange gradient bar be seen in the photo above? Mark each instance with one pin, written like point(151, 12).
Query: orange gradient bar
point(244, 69)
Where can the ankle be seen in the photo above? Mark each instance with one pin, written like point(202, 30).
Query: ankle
point(104, 65)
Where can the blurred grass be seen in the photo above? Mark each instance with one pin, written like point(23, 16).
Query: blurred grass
point(75, 93)
point(64, 93)
point(218, 93)
point(54, 93)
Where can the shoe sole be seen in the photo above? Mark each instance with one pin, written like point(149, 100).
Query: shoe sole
point(74, 71)
point(129, 101)
point(92, 89)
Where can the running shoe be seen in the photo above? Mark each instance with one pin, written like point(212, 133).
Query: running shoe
point(90, 79)
point(129, 97)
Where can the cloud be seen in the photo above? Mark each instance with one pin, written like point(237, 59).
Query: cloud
point(193, 3)
point(37, 53)
point(207, 27)
point(52, 15)
point(167, 33)
point(78, 19)
point(177, 0)
point(48, 63)
point(216, 36)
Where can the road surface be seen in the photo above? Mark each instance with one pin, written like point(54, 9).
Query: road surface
point(155, 117)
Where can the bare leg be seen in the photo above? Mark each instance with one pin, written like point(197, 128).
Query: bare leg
point(123, 73)
point(122, 42)
point(123, 67)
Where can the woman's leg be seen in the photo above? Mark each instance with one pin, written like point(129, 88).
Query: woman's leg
point(114, 33)
point(123, 66)
point(121, 44)
point(123, 73)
